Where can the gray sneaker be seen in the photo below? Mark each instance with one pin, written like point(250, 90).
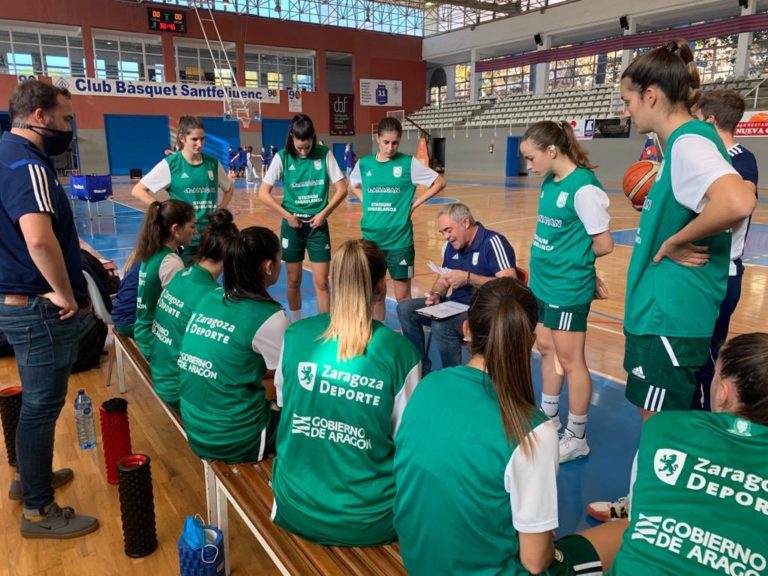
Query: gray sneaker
point(59, 523)
point(60, 477)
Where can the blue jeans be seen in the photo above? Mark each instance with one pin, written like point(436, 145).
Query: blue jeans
point(447, 333)
point(45, 349)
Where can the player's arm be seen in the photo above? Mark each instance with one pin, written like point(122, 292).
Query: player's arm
point(537, 550)
point(45, 251)
point(142, 193)
point(227, 186)
point(274, 173)
point(437, 185)
point(602, 244)
point(356, 182)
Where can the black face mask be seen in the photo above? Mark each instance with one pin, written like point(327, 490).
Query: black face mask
point(55, 142)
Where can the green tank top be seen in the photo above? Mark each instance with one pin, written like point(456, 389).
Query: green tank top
point(222, 397)
point(148, 293)
point(305, 182)
point(669, 299)
point(562, 259)
point(174, 309)
point(195, 185)
point(700, 498)
point(388, 192)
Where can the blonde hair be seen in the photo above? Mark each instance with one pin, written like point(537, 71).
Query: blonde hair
point(356, 268)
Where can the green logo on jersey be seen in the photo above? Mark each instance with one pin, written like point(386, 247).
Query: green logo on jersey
point(668, 464)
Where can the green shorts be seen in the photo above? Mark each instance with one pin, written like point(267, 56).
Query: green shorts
point(574, 556)
point(564, 318)
point(316, 241)
point(661, 371)
point(400, 263)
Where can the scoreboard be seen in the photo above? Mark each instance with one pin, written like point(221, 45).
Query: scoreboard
point(165, 20)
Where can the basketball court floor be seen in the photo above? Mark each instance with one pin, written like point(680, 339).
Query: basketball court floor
point(508, 207)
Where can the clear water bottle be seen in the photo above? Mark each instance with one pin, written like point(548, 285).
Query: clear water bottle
point(86, 431)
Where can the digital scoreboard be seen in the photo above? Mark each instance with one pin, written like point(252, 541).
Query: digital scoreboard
point(165, 20)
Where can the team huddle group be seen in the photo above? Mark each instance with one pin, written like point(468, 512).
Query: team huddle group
point(460, 464)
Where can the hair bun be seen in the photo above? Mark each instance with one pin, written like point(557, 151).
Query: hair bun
point(220, 219)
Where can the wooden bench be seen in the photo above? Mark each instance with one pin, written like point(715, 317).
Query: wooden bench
point(126, 348)
point(247, 488)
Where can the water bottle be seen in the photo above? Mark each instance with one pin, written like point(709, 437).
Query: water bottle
point(86, 432)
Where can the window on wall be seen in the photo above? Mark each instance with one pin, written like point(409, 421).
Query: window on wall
point(573, 73)
point(44, 52)
point(279, 71)
point(758, 53)
point(716, 57)
point(438, 95)
point(194, 64)
point(131, 60)
point(505, 82)
point(462, 85)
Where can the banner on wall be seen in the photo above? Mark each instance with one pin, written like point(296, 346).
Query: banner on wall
point(165, 90)
point(752, 124)
point(381, 92)
point(294, 101)
point(584, 128)
point(341, 108)
point(612, 127)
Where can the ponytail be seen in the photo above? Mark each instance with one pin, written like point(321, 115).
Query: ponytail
point(218, 232)
point(158, 221)
point(671, 68)
point(356, 269)
point(502, 319)
point(560, 135)
point(244, 275)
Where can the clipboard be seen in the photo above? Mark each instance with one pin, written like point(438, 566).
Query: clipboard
point(443, 310)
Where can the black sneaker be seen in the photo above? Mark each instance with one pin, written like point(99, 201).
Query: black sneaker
point(59, 523)
point(60, 477)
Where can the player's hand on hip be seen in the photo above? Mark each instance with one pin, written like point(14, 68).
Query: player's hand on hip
point(67, 304)
point(601, 290)
point(687, 254)
point(293, 221)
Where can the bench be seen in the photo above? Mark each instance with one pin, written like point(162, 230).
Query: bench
point(126, 348)
point(247, 488)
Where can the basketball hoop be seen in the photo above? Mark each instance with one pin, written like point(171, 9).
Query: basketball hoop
point(399, 114)
point(243, 111)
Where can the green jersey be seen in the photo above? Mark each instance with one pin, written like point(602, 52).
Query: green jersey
point(154, 273)
point(305, 182)
point(333, 478)
point(669, 299)
point(174, 309)
point(562, 259)
point(228, 345)
point(197, 185)
point(464, 489)
point(700, 498)
point(388, 191)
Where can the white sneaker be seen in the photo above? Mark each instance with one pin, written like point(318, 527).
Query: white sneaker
point(572, 448)
point(609, 511)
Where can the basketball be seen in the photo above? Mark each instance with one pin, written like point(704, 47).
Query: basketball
point(638, 180)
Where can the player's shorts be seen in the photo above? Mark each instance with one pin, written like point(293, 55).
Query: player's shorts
point(661, 370)
point(400, 262)
point(316, 241)
point(574, 556)
point(565, 318)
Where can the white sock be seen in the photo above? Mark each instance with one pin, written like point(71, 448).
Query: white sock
point(294, 315)
point(577, 424)
point(550, 405)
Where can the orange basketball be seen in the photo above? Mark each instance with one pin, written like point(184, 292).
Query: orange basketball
point(638, 180)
